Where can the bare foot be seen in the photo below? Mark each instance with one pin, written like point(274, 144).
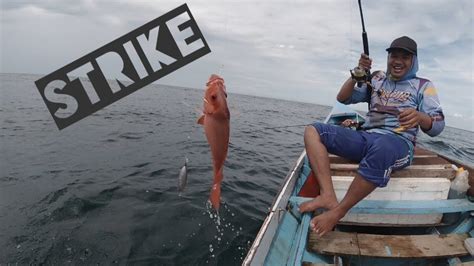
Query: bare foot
point(326, 221)
point(318, 202)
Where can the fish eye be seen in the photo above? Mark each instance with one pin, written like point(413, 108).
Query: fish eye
point(213, 97)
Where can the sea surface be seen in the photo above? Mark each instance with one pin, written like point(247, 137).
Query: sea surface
point(104, 190)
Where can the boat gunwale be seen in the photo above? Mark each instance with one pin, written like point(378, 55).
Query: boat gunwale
point(263, 231)
point(275, 207)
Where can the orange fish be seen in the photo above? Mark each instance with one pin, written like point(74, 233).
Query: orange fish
point(215, 120)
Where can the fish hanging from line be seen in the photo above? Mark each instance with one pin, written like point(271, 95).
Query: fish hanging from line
point(215, 120)
point(183, 176)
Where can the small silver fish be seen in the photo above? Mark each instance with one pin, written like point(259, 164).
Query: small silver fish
point(183, 176)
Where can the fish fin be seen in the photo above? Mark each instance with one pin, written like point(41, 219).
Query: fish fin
point(201, 120)
point(215, 196)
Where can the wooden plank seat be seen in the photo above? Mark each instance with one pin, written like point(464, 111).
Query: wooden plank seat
point(421, 157)
point(432, 170)
point(425, 164)
point(402, 206)
point(399, 213)
point(416, 160)
point(389, 246)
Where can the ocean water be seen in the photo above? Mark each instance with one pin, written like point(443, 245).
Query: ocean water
point(104, 190)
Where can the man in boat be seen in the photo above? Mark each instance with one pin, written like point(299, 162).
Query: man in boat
point(399, 104)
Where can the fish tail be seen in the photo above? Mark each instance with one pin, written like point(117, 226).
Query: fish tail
point(215, 196)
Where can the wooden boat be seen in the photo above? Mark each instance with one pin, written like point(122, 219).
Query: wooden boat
point(410, 222)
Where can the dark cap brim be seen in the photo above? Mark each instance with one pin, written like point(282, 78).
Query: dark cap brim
point(400, 48)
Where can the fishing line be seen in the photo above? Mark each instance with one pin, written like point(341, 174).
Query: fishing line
point(187, 142)
point(221, 68)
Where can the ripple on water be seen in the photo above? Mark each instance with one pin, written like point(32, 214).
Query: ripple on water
point(140, 165)
point(159, 172)
point(132, 136)
point(71, 209)
point(54, 196)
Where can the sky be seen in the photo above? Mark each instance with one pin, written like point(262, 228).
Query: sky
point(293, 50)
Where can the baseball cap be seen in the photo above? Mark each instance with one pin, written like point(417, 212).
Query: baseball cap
point(404, 43)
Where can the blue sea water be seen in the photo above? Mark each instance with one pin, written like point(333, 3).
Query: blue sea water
point(104, 190)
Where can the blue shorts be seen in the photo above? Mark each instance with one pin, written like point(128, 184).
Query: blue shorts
point(377, 154)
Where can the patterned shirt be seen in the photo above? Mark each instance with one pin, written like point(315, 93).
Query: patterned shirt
point(390, 97)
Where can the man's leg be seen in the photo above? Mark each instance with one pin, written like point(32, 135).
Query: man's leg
point(357, 191)
point(337, 140)
point(319, 161)
point(384, 153)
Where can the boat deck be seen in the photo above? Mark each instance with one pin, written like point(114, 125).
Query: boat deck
point(387, 246)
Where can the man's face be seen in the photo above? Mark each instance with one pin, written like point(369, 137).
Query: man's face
point(399, 63)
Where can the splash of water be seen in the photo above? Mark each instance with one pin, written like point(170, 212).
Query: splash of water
point(225, 230)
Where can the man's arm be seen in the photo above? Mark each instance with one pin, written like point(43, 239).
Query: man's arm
point(425, 121)
point(411, 118)
point(348, 87)
point(346, 90)
point(431, 107)
point(430, 118)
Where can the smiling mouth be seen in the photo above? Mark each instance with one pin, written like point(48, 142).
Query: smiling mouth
point(397, 69)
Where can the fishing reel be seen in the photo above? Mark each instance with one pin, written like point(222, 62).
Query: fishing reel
point(359, 74)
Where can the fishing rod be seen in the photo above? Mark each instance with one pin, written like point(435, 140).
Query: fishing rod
point(358, 73)
point(365, 41)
